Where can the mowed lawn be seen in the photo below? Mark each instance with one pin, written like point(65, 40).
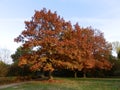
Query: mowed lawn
point(70, 84)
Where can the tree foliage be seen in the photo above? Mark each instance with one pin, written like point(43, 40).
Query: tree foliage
point(94, 49)
point(55, 44)
point(14, 69)
point(3, 69)
point(19, 52)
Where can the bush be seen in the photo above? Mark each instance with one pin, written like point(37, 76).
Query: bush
point(7, 80)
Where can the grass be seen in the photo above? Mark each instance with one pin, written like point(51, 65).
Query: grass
point(70, 84)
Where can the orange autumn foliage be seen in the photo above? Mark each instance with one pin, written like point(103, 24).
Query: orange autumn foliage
point(56, 44)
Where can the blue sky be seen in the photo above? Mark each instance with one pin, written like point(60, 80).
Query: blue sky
point(100, 14)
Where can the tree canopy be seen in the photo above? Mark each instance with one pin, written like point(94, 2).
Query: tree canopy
point(56, 44)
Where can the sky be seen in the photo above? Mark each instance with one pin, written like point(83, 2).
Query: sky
point(103, 15)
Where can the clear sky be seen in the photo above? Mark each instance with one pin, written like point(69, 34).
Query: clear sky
point(100, 14)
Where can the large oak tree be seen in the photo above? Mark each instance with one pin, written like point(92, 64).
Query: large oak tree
point(41, 35)
point(56, 44)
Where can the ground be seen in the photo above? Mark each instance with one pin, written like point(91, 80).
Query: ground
point(68, 84)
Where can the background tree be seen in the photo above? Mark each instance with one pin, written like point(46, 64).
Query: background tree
point(19, 52)
point(118, 56)
point(5, 55)
point(116, 48)
point(115, 71)
point(3, 69)
point(14, 69)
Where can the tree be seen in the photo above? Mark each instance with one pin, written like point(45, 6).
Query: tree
point(69, 48)
point(5, 55)
point(55, 45)
point(116, 48)
point(115, 71)
point(3, 69)
point(41, 36)
point(118, 55)
point(94, 50)
point(14, 69)
point(84, 49)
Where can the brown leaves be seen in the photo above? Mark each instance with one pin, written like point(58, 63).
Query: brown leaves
point(61, 45)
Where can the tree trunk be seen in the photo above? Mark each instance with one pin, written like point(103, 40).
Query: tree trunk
point(42, 74)
point(75, 74)
point(84, 73)
point(50, 75)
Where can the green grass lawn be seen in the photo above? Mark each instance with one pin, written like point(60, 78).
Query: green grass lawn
point(70, 84)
